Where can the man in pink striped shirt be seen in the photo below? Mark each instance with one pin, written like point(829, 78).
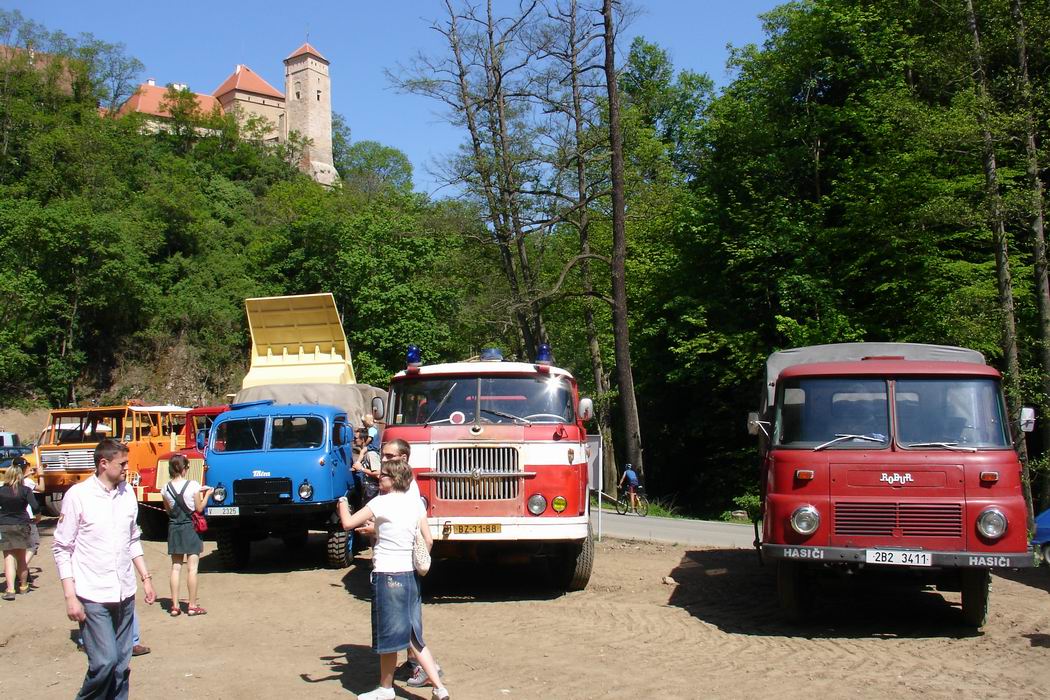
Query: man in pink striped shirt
point(97, 550)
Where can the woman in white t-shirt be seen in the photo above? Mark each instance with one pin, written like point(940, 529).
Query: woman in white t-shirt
point(397, 618)
point(183, 496)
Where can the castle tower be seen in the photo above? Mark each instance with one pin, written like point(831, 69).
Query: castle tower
point(308, 100)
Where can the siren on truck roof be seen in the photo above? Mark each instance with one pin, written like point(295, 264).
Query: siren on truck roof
point(491, 355)
point(543, 355)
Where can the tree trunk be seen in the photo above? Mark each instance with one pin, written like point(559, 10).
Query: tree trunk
point(1002, 259)
point(1035, 187)
point(624, 374)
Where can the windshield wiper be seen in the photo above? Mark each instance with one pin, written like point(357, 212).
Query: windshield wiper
point(501, 414)
point(441, 404)
point(945, 445)
point(839, 437)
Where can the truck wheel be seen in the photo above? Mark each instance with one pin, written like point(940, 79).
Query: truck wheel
point(234, 550)
point(793, 590)
point(571, 569)
point(1046, 553)
point(340, 549)
point(975, 585)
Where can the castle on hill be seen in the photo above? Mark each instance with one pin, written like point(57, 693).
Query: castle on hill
point(304, 107)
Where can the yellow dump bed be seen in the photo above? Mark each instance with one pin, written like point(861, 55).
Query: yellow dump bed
point(297, 340)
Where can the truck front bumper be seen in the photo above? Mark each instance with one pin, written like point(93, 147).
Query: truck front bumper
point(850, 555)
point(489, 529)
point(223, 516)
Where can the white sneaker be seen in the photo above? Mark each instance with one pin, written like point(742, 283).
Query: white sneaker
point(380, 693)
point(439, 694)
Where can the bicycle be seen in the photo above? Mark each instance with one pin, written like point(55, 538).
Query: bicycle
point(623, 503)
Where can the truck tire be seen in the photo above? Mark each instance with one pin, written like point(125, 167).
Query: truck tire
point(340, 549)
point(975, 585)
point(234, 549)
point(1046, 553)
point(793, 590)
point(571, 569)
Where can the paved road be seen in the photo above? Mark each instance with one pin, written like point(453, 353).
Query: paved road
point(698, 532)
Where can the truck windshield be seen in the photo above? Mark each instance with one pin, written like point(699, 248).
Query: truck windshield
point(492, 399)
point(297, 433)
point(832, 413)
point(87, 428)
point(950, 413)
point(240, 435)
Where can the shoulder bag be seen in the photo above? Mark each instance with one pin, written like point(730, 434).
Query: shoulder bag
point(420, 554)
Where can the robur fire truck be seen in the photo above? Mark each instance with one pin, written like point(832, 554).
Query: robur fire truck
point(499, 451)
point(889, 458)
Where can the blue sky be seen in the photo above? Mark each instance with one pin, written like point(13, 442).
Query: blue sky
point(199, 43)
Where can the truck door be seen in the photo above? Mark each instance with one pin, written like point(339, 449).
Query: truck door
point(342, 480)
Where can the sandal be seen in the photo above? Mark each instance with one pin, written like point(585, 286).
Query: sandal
point(175, 612)
point(195, 611)
point(10, 595)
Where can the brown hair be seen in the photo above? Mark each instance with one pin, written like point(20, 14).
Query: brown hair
point(107, 450)
point(402, 447)
point(400, 473)
point(178, 465)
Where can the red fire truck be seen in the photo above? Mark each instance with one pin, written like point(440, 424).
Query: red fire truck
point(893, 458)
point(499, 450)
point(150, 480)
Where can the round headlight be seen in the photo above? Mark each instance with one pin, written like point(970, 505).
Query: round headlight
point(805, 520)
point(306, 491)
point(991, 523)
point(558, 503)
point(537, 504)
point(219, 494)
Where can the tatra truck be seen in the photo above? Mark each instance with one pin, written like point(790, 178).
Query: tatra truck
point(889, 457)
point(499, 451)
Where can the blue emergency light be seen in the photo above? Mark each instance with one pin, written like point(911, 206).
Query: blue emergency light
point(414, 356)
point(543, 355)
point(491, 355)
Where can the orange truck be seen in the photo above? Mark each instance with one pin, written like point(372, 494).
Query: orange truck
point(66, 447)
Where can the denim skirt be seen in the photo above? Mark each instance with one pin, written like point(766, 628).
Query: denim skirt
point(397, 614)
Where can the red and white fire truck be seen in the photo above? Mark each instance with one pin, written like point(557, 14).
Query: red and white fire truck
point(499, 451)
point(892, 458)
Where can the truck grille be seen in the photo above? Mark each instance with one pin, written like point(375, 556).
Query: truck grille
point(477, 473)
point(68, 460)
point(196, 472)
point(262, 491)
point(899, 519)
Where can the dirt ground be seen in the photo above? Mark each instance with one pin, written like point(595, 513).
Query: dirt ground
point(26, 425)
point(285, 628)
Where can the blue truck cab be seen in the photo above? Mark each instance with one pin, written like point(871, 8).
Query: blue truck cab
point(277, 470)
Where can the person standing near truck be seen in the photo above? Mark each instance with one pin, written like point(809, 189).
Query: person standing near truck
point(14, 530)
point(182, 497)
point(98, 552)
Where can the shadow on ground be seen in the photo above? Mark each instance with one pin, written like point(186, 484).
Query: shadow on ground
point(273, 556)
point(1037, 577)
point(356, 668)
point(730, 589)
point(466, 582)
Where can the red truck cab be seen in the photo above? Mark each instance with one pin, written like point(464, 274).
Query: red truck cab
point(889, 456)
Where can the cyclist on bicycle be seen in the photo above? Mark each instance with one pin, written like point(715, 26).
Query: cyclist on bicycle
point(631, 477)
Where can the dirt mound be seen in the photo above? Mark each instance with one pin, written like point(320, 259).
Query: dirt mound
point(26, 425)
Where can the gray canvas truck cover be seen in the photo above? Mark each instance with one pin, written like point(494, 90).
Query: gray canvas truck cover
point(853, 352)
point(355, 399)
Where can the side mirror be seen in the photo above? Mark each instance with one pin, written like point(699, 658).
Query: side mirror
point(378, 410)
point(202, 439)
point(755, 425)
point(586, 409)
point(1027, 419)
point(340, 437)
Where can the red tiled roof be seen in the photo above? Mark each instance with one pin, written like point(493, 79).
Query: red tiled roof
point(306, 48)
point(245, 79)
point(147, 99)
